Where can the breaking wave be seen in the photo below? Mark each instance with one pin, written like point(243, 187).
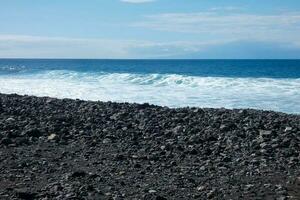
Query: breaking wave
point(161, 89)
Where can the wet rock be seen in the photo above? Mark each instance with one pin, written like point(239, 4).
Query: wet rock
point(137, 165)
point(6, 141)
point(285, 143)
point(226, 159)
point(26, 195)
point(193, 152)
point(160, 198)
point(32, 132)
point(211, 194)
point(79, 173)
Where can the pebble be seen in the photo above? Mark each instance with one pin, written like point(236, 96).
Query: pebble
point(288, 129)
point(26, 195)
point(106, 141)
point(52, 136)
point(265, 133)
point(10, 120)
point(112, 150)
point(200, 188)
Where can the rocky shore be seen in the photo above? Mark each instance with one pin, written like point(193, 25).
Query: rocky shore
point(72, 149)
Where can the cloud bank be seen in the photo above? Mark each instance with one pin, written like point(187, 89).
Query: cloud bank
point(279, 27)
point(20, 46)
point(60, 47)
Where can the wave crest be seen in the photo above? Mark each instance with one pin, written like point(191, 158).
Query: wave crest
point(161, 89)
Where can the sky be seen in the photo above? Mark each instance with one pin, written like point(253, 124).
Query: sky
point(188, 29)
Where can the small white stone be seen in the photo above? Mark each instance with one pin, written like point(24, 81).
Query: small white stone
point(106, 141)
point(10, 119)
point(52, 136)
point(265, 132)
point(200, 188)
point(122, 173)
point(288, 129)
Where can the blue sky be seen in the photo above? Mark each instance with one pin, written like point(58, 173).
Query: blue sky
point(150, 28)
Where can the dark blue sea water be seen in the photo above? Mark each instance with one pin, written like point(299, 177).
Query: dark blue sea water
point(204, 68)
point(261, 84)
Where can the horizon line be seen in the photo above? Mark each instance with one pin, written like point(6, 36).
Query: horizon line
point(149, 58)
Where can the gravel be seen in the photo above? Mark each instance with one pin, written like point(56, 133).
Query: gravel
point(73, 149)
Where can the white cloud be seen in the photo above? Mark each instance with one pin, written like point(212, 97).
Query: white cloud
point(22, 46)
point(226, 8)
point(137, 1)
point(281, 27)
point(60, 47)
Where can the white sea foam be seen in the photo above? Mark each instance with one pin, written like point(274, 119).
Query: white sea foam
point(168, 90)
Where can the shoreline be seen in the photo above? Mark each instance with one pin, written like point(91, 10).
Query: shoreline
point(73, 149)
point(238, 109)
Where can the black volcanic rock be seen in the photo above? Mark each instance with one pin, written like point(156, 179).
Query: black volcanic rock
point(26, 195)
point(72, 149)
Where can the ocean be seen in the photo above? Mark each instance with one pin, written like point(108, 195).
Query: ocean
point(259, 84)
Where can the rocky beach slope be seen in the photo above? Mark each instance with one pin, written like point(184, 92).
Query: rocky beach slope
point(72, 149)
